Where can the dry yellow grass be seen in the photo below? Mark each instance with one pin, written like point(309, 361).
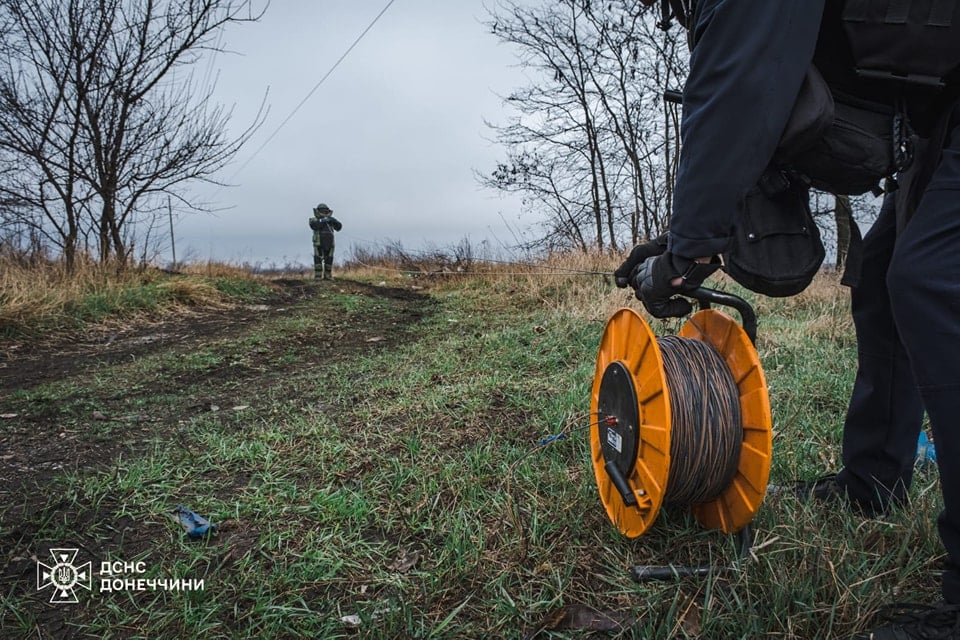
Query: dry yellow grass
point(824, 294)
point(581, 285)
point(821, 311)
point(215, 270)
point(39, 291)
point(43, 295)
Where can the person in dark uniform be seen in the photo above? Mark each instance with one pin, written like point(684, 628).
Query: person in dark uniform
point(323, 225)
point(747, 64)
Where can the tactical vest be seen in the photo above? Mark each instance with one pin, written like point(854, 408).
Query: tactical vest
point(916, 42)
point(884, 72)
point(906, 41)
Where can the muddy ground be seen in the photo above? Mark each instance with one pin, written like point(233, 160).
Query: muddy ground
point(36, 448)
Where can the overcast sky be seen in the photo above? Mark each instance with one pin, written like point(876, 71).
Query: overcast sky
point(390, 140)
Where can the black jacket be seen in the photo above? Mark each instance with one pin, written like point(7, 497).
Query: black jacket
point(748, 62)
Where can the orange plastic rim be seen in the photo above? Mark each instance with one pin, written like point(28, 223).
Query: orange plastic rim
point(736, 506)
point(628, 339)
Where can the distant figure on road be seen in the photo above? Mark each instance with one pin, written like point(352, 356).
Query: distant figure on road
point(324, 225)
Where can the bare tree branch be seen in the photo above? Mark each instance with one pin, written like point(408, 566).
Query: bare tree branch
point(592, 144)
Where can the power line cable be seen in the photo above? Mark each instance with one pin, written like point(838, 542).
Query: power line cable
point(313, 90)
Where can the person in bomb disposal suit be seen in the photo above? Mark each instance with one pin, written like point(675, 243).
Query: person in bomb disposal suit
point(323, 225)
point(749, 59)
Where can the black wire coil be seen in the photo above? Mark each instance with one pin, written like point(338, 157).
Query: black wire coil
point(707, 431)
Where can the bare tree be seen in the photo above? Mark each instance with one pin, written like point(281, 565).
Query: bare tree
point(553, 146)
point(639, 62)
point(836, 216)
point(100, 109)
point(843, 217)
point(40, 122)
point(593, 145)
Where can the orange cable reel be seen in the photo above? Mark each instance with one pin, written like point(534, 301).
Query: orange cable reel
point(644, 451)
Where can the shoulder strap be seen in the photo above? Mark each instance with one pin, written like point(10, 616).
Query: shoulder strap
point(680, 10)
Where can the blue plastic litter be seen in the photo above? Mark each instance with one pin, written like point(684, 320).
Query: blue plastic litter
point(926, 452)
point(194, 524)
point(546, 441)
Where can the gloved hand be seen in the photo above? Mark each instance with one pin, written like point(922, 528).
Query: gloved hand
point(654, 287)
point(623, 275)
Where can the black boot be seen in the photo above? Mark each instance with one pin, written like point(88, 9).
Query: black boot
point(910, 621)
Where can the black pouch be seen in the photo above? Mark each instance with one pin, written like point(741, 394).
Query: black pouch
point(811, 116)
point(776, 249)
point(854, 154)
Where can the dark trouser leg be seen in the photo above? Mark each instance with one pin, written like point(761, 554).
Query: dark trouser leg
point(885, 411)
point(317, 262)
point(924, 281)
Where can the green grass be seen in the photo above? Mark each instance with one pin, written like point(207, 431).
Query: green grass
point(404, 486)
point(241, 288)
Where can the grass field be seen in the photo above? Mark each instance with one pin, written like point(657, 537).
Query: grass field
point(370, 450)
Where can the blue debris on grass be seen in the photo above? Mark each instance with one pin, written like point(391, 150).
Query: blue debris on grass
point(926, 452)
point(194, 524)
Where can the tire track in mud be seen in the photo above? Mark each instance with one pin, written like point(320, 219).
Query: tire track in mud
point(83, 429)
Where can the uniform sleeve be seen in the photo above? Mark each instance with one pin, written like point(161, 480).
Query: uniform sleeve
point(746, 69)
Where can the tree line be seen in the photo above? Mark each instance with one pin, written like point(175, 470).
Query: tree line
point(593, 144)
point(104, 118)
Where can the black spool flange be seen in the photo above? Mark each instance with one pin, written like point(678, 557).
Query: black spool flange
point(619, 424)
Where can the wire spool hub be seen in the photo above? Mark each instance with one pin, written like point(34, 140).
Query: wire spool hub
point(631, 388)
point(619, 435)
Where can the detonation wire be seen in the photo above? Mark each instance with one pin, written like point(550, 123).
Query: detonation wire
point(513, 509)
point(707, 434)
point(705, 409)
point(706, 437)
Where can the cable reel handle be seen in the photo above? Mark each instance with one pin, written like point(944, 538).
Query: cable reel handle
point(748, 318)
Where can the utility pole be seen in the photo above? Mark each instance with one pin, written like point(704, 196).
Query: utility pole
point(173, 244)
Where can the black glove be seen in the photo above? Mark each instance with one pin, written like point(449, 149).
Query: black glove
point(652, 283)
point(623, 275)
